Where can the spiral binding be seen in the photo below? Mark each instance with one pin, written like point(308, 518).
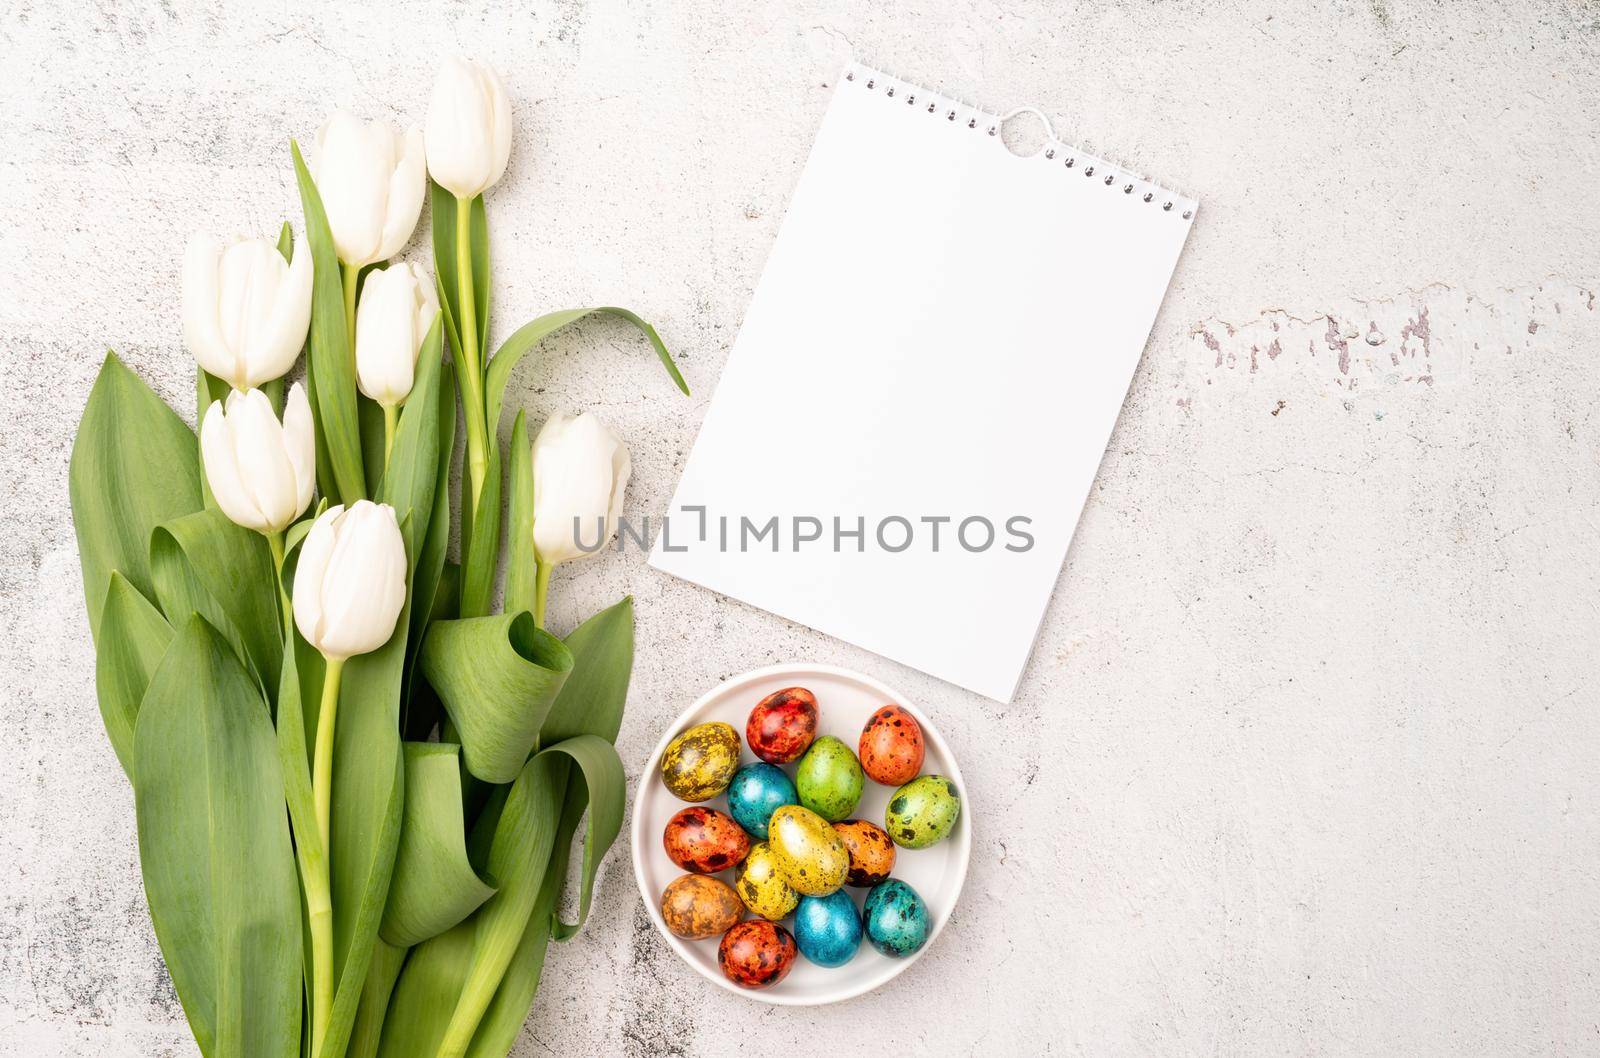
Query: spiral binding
point(1111, 176)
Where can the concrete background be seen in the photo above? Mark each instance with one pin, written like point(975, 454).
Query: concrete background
point(1306, 759)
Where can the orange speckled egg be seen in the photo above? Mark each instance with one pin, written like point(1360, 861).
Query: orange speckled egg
point(891, 749)
point(871, 852)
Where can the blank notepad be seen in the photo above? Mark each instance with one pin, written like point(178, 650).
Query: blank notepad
point(941, 340)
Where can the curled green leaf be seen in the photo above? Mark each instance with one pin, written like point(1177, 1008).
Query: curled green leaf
point(498, 677)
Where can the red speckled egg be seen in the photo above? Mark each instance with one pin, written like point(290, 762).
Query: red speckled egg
point(756, 954)
point(704, 841)
point(782, 725)
point(891, 747)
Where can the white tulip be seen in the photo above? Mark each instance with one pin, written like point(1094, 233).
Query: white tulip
point(469, 128)
point(372, 181)
point(351, 581)
point(397, 308)
point(260, 471)
point(245, 309)
point(580, 471)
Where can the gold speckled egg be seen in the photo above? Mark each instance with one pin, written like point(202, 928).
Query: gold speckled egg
point(812, 856)
point(761, 885)
point(700, 762)
point(696, 907)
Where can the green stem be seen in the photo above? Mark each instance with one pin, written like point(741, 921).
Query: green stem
point(472, 385)
point(319, 900)
point(275, 544)
point(541, 590)
point(391, 422)
point(352, 275)
point(319, 913)
point(322, 763)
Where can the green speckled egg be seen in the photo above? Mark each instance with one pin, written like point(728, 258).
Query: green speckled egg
point(699, 763)
point(829, 779)
point(811, 854)
point(761, 885)
point(922, 812)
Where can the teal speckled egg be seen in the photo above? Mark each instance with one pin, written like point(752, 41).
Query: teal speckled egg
point(829, 779)
point(896, 919)
point(922, 812)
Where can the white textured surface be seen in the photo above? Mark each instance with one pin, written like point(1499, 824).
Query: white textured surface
point(1305, 762)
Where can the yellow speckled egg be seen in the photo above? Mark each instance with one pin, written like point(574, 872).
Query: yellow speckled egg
point(811, 854)
point(700, 762)
point(761, 885)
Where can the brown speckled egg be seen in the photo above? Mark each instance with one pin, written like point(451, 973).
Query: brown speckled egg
point(891, 749)
point(704, 841)
point(699, 763)
point(782, 725)
point(696, 907)
point(871, 852)
point(756, 953)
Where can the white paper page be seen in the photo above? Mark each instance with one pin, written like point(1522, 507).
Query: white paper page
point(943, 329)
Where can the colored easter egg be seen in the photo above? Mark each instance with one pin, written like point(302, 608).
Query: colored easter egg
point(782, 725)
point(922, 812)
point(696, 907)
point(756, 954)
point(891, 746)
point(761, 884)
point(758, 790)
point(827, 929)
point(699, 762)
point(871, 852)
point(829, 779)
point(704, 841)
point(810, 853)
point(896, 919)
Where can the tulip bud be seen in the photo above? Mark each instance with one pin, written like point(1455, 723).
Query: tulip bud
point(468, 132)
point(351, 581)
point(260, 471)
point(580, 471)
point(372, 181)
point(245, 309)
point(397, 308)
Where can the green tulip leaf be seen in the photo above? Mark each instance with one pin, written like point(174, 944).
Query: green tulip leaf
point(428, 575)
point(607, 788)
point(369, 793)
point(482, 534)
point(591, 701)
point(413, 471)
point(524, 837)
point(367, 1032)
point(205, 564)
point(133, 638)
point(530, 334)
point(521, 563)
point(134, 465)
point(497, 677)
point(434, 886)
point(425, 996)
point(214, 850)
point(332, 361)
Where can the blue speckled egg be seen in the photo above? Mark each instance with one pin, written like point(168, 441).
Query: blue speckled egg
point(758, 790)
point(828, 928)
point(896, 919)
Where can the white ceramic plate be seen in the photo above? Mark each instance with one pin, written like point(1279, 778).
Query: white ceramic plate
point(845, 700)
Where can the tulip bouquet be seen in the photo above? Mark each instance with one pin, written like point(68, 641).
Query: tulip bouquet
point(356, 783)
